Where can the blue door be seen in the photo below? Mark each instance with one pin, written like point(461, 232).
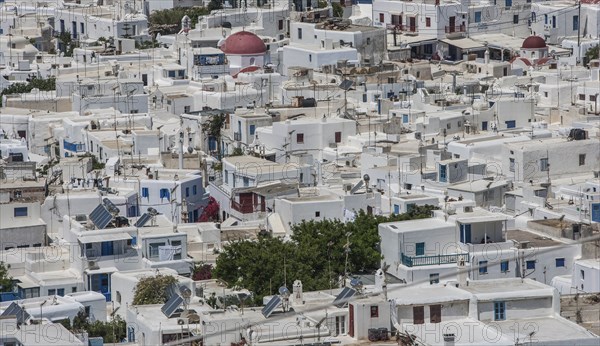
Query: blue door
point(100, 283)
point(465, 233)
point(443, 178)
point(396, 209)
point(107, 248)
point(405, 118)
point(511, 124)
point(596, 212)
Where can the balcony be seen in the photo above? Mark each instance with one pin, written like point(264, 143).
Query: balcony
point(419, 261)
point(247, 208)
point(406, 29)
point(454, 31)
point(74, 147)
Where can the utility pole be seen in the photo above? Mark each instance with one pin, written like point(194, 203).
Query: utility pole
point(578, 31)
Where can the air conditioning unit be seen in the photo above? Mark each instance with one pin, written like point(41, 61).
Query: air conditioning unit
point(182, 321)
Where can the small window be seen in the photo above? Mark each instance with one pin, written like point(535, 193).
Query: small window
point(581, 97)
point(118, 297)
point(280, 26)
point(252, 130)
point(52, 292)
point(530, 265)
point(478, 17)
point(516, 19)
point(317, 214)
point(560, 262)
point(299, 33)
point(187, 192)
point(575, 22)
point(381, 17)
point(483, 267)
point(310, 57)
point(504, 266)
point(338, 137)
point(73, 289)
point(164, 193)
point(434, 278)
point(582, 273)
point(544, 164)
point(20, 211)
point(427, 22)
point(145, 192)
point(499, 311)
point(300, 138)
point(581, 159)
point(374, 311)
point(448, 126)
point(194, 190)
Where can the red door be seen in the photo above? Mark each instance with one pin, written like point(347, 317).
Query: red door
point(452, 23)
point(351, 320)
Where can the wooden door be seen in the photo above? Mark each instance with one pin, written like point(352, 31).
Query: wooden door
point(351, 320)
point(418, 314)
point(435, 313)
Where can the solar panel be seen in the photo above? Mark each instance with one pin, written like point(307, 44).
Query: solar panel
point(100, 217)
point(15, 310)
point(143, 220)
point(342, 298)
point(346, 84)
point(172, 305)
point(271, 305)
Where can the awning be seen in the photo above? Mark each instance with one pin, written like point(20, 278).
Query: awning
point(464, 43)
point(98, 238)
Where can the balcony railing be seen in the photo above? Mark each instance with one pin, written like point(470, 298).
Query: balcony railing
point(404, 28)
point(418, 261)
point(75, 147)
point(247, 208)
point(456, 28)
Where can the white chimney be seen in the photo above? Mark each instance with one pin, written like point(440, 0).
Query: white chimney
point(379, 280)
point(487, 56)
point(298, 296)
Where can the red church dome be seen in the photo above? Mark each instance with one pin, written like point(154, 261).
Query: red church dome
point(243, 43)
point(534, 42)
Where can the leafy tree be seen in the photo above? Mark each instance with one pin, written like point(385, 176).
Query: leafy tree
point(214, 5)
point(213, 127)
point(316, 254)
point(338, 10)
point(111, 332)
point(67, 43)
point(153, 289)
point(322, 3)
point(23, 88)
point(592, 53)
point(168, 21)
point(237, 152)
point(6, 283)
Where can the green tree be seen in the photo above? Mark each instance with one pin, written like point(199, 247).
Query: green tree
point(316, 254)
point(23, 88)
point(168, 21)
point(214, 5)
point(67, 43)
point(237, 152)
point(6, 283)
point(111, 332)
point(153, 289)
point(592, 53)
point(213, 127)
point(338, 10)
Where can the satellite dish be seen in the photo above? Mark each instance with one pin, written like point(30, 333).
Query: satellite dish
point(190, 150)
point(283, 291)
point(355, 283)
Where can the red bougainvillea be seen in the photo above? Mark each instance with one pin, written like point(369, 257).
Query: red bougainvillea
point(211, 212)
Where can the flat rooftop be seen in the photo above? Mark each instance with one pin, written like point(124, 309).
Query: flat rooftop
point(535, 240)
